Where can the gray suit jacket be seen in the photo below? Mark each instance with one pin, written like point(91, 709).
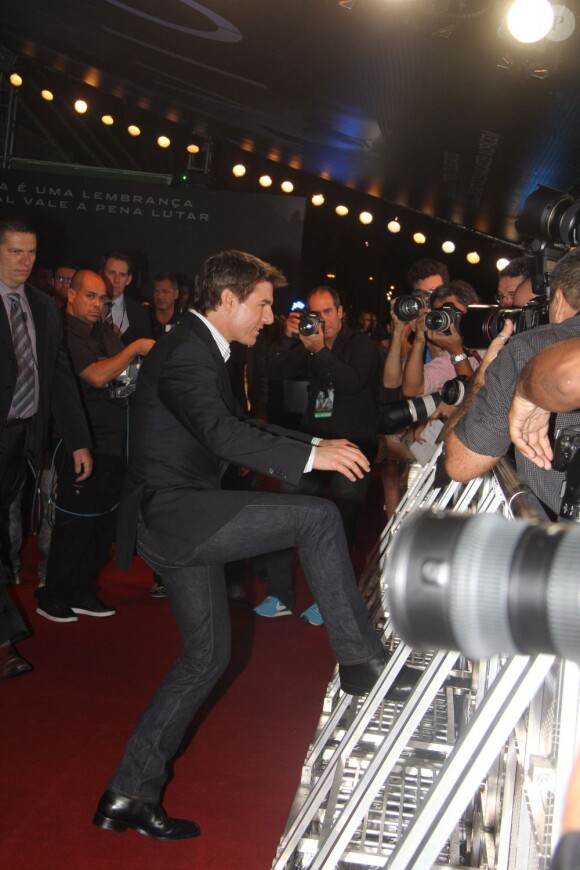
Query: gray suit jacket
point(186, 427)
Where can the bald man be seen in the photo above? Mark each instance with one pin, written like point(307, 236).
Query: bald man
point(85, 516)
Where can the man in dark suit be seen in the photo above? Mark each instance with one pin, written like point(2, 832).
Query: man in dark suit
point(129, 318)
point(186, 427)
point(36, 382)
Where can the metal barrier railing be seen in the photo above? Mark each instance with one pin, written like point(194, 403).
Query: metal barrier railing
point(470, 771)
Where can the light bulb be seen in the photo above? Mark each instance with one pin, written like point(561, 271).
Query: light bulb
point(530, 20)
point(107, 120)
point(317, 199)
point(394, 226)
point(287, 186)
point(265, 180)
point(133, 130)
point(47, 95)
point(341, 210)
point(473, 258)
point(81, 106)
point(419, 238)
point(447, 247)
point(15, 80)
point(502, 263)
point(163, 141)
point(365, 217)
point(239, 170)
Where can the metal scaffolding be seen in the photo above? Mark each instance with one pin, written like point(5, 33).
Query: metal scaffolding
point(471, 770)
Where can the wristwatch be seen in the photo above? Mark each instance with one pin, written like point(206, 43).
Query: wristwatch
point(458, 357)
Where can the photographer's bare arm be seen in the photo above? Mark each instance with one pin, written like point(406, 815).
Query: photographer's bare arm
point(462, 463)
point(550, 383)
point(100, 373)
point(393, 367)
point(340, 455)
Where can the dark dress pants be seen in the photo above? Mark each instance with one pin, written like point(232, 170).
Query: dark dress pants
point(83, 531)
point(197, 592)
point(349, 497)
point(12, 473)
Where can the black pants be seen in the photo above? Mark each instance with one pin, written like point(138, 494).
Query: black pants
point(197, 593)
point(84, 529)
point(349, 497)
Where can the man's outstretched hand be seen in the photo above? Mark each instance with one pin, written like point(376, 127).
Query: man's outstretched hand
point(529, 431)
point(342, 456)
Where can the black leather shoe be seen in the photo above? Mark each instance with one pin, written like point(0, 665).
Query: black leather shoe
point(360, 678)
point(11, 664)
point(117, 813)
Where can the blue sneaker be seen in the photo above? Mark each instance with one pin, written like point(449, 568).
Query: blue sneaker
point(312, 615)
point(271, 607)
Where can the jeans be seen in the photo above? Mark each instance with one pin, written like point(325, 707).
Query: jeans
point(348, 496)
point(196, 589)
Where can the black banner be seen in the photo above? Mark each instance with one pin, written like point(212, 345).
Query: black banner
point(163, 228)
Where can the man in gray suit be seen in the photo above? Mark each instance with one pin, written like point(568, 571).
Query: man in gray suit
point(186, 428)
point(37, 382)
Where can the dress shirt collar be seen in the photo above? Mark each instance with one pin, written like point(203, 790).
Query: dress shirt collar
point(222, 343)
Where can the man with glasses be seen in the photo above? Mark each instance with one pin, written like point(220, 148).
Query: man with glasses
point(63, 276)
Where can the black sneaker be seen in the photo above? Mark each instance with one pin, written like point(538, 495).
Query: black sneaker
point(93, 607)
point(158, 590)
point(57, 612)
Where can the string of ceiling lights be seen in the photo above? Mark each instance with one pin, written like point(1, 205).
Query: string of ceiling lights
point(266, 182)
point(81, 107)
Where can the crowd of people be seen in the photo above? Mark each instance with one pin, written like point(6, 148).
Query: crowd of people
point(130, 414)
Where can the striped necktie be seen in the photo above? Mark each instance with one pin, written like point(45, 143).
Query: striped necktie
point(109, 317)
point(23, 399)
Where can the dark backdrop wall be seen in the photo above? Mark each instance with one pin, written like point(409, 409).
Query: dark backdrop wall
point(163, 228)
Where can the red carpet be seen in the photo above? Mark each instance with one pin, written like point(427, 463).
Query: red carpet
point(63, 729)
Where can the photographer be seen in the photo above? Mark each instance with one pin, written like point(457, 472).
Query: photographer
point(478, 431)
point(449, 357)
point(85, 516)
point(341, 366)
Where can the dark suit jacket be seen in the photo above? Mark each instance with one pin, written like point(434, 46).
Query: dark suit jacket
point(139, 321)
point(185, 428)
point(58, 391)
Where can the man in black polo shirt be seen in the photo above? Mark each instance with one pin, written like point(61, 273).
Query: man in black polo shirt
point(341, 366)
point(86, 512)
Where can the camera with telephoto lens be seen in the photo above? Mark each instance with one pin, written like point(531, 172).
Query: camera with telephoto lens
point(445, 592)
point(406, 412)
point(125, 383)
point(482, 323)
point(408, 307)
point(309, 323)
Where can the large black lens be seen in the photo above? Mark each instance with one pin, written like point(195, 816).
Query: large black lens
point(407, 307)
point(486, 585)
point(439, 320)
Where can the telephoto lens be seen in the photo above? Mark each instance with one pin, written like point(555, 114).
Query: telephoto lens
point(408, 307)
point(453, 391)
point(486, 585)
point(398, 415)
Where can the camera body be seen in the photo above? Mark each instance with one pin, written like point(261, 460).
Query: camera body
point(310, 323)
point(125, 383)
point(442, 319)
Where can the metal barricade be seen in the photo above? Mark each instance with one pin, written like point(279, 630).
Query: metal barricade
point(470, 770)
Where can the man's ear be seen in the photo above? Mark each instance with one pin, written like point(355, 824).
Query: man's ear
point(129, 279)
point(227, 298)
point(557, 304)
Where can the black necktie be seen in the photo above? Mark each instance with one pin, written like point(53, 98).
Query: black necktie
point(23, 399)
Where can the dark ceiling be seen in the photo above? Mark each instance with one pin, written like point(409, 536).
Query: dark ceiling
point(419, 102)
